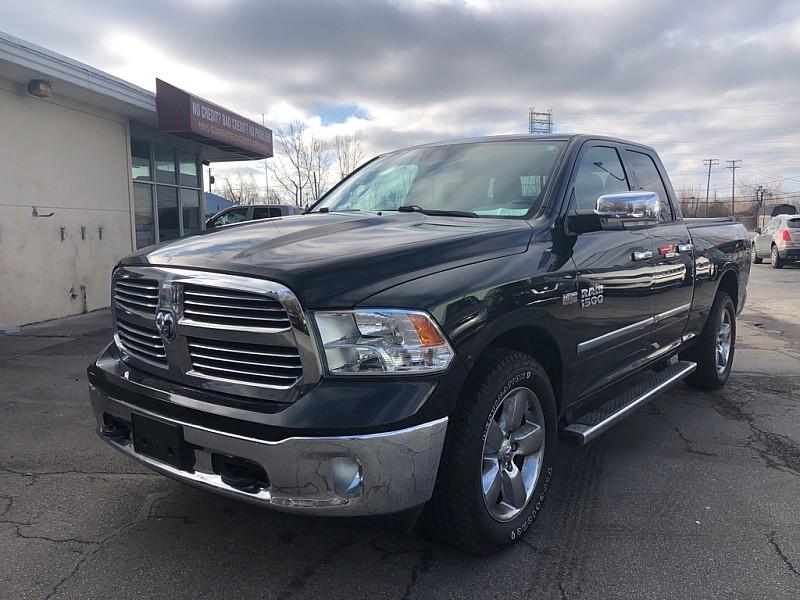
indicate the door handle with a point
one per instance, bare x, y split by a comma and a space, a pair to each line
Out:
642, 255
685, 248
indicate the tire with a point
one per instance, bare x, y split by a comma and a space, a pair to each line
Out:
757, 260
777, 261
459, 512
705, 352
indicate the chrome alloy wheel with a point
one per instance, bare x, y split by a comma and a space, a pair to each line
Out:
724, 338
513, 453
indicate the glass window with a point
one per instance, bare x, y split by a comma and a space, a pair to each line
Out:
646, 173
143, 212
793, 223
599, 172
190, 211
165, 164
168, 227
235, 215
266, 212
140, 160
492, 179
188, 169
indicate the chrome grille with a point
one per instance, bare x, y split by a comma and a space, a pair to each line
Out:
232, 308
137, 295
272, 366
142, 342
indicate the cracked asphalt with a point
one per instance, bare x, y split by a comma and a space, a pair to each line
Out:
695, 496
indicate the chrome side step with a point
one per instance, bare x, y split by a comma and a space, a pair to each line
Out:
589, 426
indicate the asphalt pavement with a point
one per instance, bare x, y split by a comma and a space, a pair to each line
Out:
695, 496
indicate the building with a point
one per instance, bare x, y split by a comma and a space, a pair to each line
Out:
93, 168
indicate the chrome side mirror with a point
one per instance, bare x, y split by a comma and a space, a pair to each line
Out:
640, 206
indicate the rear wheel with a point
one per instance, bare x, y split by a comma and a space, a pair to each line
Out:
498, 458
713, 351
777, 261
756, 258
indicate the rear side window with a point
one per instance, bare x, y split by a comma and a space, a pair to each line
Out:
648, 178
793, 223
266, 212
599, 172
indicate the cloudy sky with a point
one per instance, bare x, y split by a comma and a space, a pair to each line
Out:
696, 79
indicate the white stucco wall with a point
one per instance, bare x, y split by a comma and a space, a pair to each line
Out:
73, 161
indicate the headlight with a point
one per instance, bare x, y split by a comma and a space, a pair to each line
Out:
378, 341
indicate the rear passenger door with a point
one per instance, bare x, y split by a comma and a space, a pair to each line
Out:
614, 279
673, 257
266, 212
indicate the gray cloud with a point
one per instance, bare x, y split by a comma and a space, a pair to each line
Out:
446, 69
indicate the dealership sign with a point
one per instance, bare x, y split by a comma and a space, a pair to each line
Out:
184, 114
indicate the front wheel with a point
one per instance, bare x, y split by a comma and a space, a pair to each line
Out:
757, 260
497, 463
713, 351
777, 261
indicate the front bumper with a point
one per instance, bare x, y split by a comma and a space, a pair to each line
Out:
369, 474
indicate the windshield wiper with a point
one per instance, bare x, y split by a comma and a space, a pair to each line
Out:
435, 212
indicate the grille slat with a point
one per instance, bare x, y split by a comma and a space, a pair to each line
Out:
141, 342
232, 308
236, 361
137, 295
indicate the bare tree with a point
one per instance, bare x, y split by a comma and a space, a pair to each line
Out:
349, 154
241, 190
290, 170
302, 167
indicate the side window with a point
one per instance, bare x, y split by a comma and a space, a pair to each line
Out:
232, 216
648, 178
599, 172
266, 212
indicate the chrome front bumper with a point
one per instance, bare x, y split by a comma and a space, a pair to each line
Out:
355, 475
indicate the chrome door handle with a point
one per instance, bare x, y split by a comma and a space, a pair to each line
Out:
642, 255
685, 248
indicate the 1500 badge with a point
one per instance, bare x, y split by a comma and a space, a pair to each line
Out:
592, 296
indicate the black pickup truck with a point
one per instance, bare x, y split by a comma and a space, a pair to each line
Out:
421, 340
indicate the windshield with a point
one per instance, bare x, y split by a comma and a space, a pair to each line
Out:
489, 179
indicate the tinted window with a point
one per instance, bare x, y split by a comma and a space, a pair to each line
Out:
237, 215
190, 211
165, 164
143, 210
168, 226
187, 163
140, 159
646, 174
599, 172
266, 212
793, 223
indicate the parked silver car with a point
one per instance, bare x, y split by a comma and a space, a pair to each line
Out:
780, 240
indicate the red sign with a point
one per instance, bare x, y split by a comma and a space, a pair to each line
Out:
187, 115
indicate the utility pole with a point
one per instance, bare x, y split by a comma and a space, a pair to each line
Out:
710, 162
733, 185
266, 170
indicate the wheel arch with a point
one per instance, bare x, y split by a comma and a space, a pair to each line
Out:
542, 345
729, 282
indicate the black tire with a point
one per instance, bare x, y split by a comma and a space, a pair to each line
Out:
457, 513
777, 261
704, 352
757, 260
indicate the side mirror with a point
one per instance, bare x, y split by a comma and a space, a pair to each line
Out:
629, 206
210, 224
758, 230
616, 211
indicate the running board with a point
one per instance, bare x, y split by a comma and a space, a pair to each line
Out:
589, 426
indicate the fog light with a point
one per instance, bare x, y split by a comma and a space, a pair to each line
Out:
347, 477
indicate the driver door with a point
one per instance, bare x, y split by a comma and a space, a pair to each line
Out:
615, 310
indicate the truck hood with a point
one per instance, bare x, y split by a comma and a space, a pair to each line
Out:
337, 259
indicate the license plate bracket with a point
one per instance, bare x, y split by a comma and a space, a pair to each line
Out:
161, 441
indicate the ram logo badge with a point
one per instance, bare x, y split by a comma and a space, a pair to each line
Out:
592, 296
